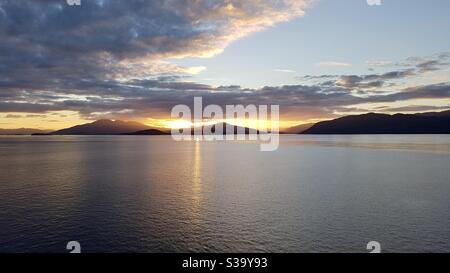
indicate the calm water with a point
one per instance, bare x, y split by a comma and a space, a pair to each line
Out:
150, 194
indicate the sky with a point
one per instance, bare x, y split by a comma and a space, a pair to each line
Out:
64, 65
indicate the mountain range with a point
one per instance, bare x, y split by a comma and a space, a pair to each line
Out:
117, 127
211, 129
424, 123
107, 127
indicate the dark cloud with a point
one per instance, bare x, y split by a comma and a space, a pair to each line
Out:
427, 64
435, 91
49, 43
155, 99
373, 80
414, 66
13, 116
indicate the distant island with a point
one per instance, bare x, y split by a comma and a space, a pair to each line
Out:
22, 131
206, 129
236, 129
424, 123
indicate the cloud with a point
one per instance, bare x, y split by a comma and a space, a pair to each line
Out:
13, 116
428, 64
372, 80
412, 67
154, 98
284, 70
45, 41
332, 64
379, 63
194, 70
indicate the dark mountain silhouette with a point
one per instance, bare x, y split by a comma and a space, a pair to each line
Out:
205, 130
104, 127
434, 114
235, 129
109, 127
21, 131
424, 123
148, 132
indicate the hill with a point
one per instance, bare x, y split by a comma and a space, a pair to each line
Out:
424, 123
236, 129
103, 127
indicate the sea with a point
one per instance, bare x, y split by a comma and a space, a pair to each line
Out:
152, 194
